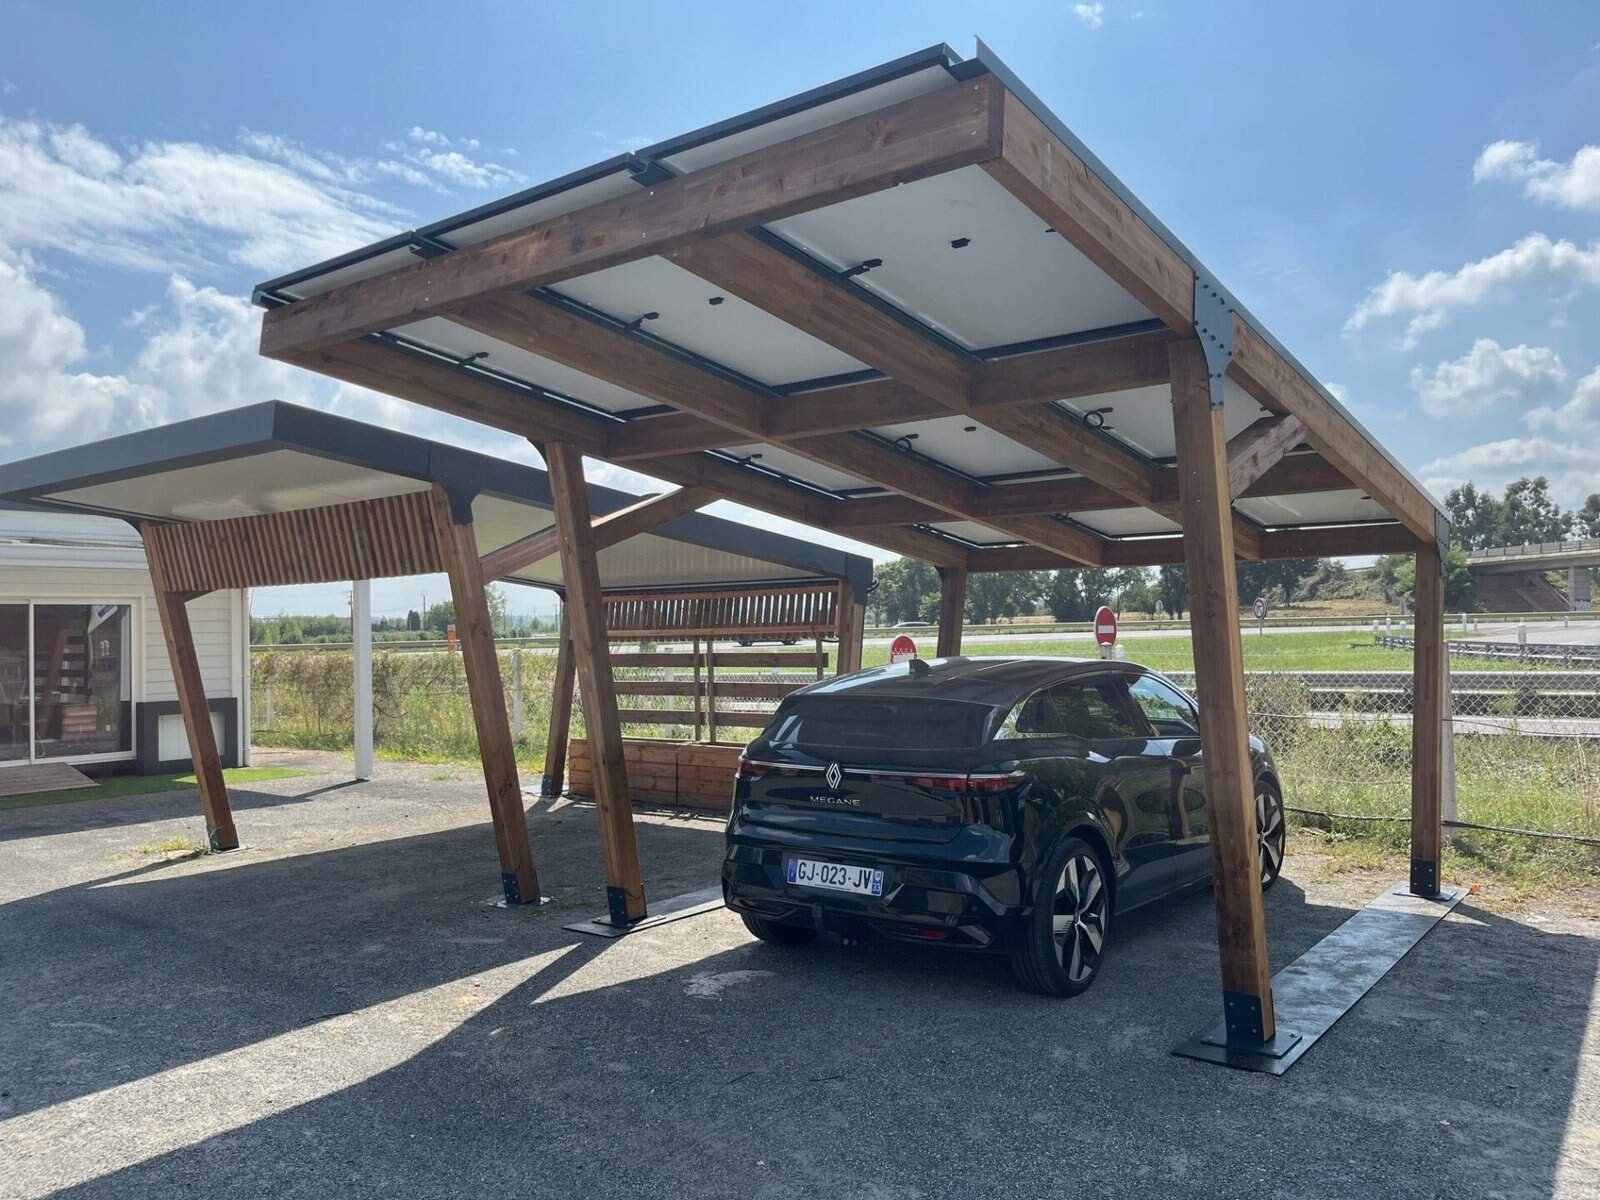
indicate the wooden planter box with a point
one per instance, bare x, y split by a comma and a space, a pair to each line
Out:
674, 774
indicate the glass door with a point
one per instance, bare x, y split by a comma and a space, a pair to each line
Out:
83, 680
15, 691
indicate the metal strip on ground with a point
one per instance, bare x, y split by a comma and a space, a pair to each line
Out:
1324, 983
690, 904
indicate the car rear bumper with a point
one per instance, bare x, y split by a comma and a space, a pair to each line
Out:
961, 904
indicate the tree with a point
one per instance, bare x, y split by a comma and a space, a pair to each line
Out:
1172, 587
1135, 592
1531, 515
1063, 597
899, 588
495, 596
414, 621
1586, 520
440, 616
1277, 579
995, 594
1458, 594
1477, 519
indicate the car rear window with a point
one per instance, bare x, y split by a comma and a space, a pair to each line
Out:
880, 724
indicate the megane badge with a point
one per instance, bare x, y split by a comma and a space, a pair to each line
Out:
833, 775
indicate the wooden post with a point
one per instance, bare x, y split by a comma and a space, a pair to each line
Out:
555, 753
591, 651
711, 690
694, 655
171, 606
852, 619
1219, 682
1427, 723
458, 548
952, 609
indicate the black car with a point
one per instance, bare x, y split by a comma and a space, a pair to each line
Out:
1011, 805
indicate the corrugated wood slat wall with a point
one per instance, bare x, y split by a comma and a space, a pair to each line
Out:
367, 539
807, 609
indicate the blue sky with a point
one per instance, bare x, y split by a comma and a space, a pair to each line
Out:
1408, 195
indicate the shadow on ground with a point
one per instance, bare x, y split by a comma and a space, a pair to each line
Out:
358, 1021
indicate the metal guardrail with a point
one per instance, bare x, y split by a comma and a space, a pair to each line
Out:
1534, 550
1551, 653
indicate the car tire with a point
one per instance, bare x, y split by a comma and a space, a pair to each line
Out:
776, 933
1064, 940
1271, 830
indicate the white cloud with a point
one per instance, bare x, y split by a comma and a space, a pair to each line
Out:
1429, 299
166, 204
1564, 446
1092, 15
1579, 415
1485, 376
1573, 469
1574, 184
458, 168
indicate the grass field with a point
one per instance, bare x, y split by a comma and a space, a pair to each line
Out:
138, 785
1313, 651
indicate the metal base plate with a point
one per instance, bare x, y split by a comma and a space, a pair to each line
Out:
502, 902
690, 904
1325, 982
1212, 1046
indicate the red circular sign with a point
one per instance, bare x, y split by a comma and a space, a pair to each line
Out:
1105, 626
902, 649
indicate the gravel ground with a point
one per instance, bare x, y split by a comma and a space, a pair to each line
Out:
336, 1011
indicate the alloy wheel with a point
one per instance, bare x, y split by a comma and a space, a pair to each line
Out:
1270, 831
1078, 920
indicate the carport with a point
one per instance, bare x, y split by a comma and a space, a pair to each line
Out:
275, 494
909, 304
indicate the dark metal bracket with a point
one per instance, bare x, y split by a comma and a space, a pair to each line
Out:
615, 923
1213, 325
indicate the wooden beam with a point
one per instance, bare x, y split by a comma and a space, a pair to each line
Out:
186, 678
591, 653
436, 385
647, 514
1252, 452
555, 753
552, 332
940, 131
1280, 388
1038, 169
1073, 372
1427, 724
765, 276
1219, 684
793, 292
523, 552
458, 546
952, 610
614, 527
1295, 475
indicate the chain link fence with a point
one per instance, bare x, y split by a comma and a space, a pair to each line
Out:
1526, 734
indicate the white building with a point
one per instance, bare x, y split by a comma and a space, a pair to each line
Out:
76, 603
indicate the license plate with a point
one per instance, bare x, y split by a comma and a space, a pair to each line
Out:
835, 877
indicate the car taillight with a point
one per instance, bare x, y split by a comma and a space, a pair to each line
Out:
939, 783
981, 801
992, 784
753, 770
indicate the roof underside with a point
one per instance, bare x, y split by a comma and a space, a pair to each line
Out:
274, 457
967, 273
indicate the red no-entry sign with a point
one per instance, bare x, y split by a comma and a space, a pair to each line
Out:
1105, 626
902, 649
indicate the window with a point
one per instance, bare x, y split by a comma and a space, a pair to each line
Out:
1165, 707
66, 680
881, 723
1086, 708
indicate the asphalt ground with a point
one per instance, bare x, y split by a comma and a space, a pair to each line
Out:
336, 1011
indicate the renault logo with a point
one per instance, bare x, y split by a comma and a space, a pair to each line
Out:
833, 775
